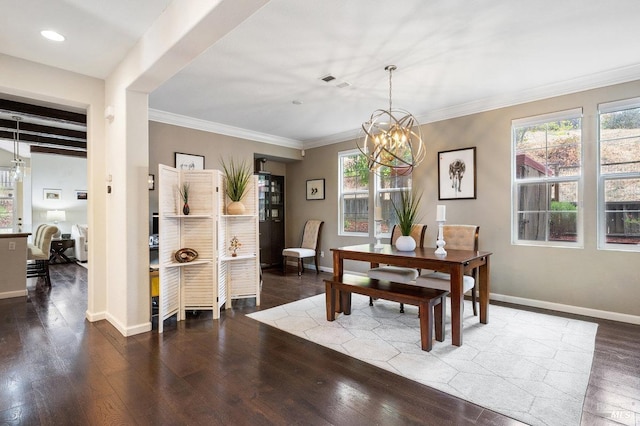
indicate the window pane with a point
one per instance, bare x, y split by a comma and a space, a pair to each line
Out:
620, 155
563, 218
622, 211
356, 213
355, 173
391, 179
549, 149
548, 207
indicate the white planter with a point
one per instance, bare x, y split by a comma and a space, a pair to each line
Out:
405, 243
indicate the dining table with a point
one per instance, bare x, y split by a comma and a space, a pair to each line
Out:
455, 262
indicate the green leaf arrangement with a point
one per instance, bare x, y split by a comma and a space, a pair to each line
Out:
407, 211
238, 175
184, 192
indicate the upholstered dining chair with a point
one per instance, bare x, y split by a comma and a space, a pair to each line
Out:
396, 273
38, 253
456, 237
308, 246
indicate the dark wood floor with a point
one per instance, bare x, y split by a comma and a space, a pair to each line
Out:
57, 368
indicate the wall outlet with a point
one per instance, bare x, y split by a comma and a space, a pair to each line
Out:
12, 245
322, 253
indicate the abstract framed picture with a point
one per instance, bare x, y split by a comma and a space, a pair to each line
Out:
457, 174
315, 189
189, 161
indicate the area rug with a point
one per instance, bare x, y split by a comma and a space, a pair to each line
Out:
528, 366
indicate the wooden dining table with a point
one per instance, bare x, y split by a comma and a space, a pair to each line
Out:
455, 262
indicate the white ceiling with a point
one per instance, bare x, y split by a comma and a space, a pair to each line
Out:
454, 57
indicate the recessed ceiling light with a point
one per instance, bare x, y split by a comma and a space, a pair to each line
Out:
52, 35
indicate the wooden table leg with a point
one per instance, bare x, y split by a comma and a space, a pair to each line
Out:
439, 314
485, 289
345, 302
338, 270
457, 300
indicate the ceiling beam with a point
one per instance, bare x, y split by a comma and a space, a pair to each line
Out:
58, 151
43, 112
43, 140
38, 128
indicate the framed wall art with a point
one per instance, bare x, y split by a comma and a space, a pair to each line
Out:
315, 189
52, 194
81, 194
189, 161
457, 174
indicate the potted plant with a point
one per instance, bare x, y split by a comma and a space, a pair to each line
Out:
237, 175
407, 213
184, 194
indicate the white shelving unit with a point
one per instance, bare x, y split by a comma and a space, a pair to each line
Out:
216, 276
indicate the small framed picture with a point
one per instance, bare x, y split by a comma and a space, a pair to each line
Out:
52, 194
457, 174
315, 189
189, 161
81, 195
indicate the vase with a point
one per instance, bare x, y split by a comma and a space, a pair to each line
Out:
235, 207
185, 209
405, 243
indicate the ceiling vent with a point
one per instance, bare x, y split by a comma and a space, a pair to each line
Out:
327, 78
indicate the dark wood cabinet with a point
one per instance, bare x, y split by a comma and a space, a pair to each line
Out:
271, 216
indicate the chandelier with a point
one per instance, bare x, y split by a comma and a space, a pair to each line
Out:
392, 138
17, 168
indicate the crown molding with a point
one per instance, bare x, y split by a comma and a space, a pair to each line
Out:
222, 129
579, 84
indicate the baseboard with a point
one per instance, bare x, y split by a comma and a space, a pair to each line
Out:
128, 331
570, 309
97, 316
10, 294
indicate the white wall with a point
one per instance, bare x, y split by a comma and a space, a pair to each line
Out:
68, 174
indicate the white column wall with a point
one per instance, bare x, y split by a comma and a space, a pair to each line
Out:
184, 30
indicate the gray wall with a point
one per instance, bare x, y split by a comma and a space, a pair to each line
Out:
587, 278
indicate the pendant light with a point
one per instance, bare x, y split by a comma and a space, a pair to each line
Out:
392, 138
17, 168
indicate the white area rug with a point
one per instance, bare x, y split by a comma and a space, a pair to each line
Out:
529, 366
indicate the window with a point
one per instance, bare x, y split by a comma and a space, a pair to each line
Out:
619, 175
6, 201
547, 180
354, 193
389, 185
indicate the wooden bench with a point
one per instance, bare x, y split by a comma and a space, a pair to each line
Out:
430, 302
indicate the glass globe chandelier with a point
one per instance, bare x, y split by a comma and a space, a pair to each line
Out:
392, 138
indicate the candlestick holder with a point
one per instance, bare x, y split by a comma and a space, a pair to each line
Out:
378, 224
440, 243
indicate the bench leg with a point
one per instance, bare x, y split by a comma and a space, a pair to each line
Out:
426, 329
330, 301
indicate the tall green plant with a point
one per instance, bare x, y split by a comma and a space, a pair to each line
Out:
407, 211
238, 175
